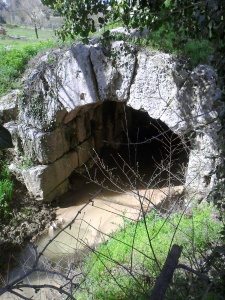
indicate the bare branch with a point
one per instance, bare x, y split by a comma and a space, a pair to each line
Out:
165, 277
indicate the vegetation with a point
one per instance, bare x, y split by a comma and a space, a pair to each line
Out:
14, 62
126, 266
187, 28
17, 35
202, 19
120, 267
6, 191
197, 51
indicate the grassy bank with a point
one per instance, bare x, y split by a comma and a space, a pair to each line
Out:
126, 266
17, 47
14, 60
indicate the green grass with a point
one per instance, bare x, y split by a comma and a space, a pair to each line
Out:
14, 60
27, 35
137, 248
6, 191
16, 53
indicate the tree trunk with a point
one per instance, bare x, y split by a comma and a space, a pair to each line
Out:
166, 274
36, 31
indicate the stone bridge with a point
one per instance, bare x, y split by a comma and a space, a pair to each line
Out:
79, 100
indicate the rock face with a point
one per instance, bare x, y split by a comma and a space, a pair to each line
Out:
63, 115
8, 107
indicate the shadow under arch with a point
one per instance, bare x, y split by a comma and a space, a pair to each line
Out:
137, 150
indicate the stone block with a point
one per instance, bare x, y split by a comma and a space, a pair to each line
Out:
83, 127
85, 151
77, 85
113, 77
8, 107
58, 191
44, 179
98, 140
44, 147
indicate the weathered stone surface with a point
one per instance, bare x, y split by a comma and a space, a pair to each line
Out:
8, 107
198, 98
44, 147
114, 75
42, 112
74, 78
58, 191
44, 179
85, 151
83, 128
204, 158
154, 89
199, 107
60, 110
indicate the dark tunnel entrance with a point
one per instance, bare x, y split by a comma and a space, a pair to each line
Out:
138, 150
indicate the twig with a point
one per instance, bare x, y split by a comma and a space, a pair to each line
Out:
45, 286
199, 274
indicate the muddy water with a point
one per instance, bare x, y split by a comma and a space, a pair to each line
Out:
105, 214
93, 224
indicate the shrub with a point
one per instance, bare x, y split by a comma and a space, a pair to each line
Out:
196, 51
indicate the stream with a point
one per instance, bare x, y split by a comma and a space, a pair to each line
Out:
93, 225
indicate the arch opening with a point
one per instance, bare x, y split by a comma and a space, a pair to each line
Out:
136, 151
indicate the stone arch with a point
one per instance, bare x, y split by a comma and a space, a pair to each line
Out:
58, 124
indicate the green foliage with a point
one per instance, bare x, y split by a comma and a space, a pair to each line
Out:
14, 62
165, 39
204, 19
194, 30
6, 191
198, 51
119, 267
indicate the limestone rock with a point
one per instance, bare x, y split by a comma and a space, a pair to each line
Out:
198, 97
154, 89
54, 90
8, 107
63, 112
76, 86
114, 74
44, 147
42, 112
43, 180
